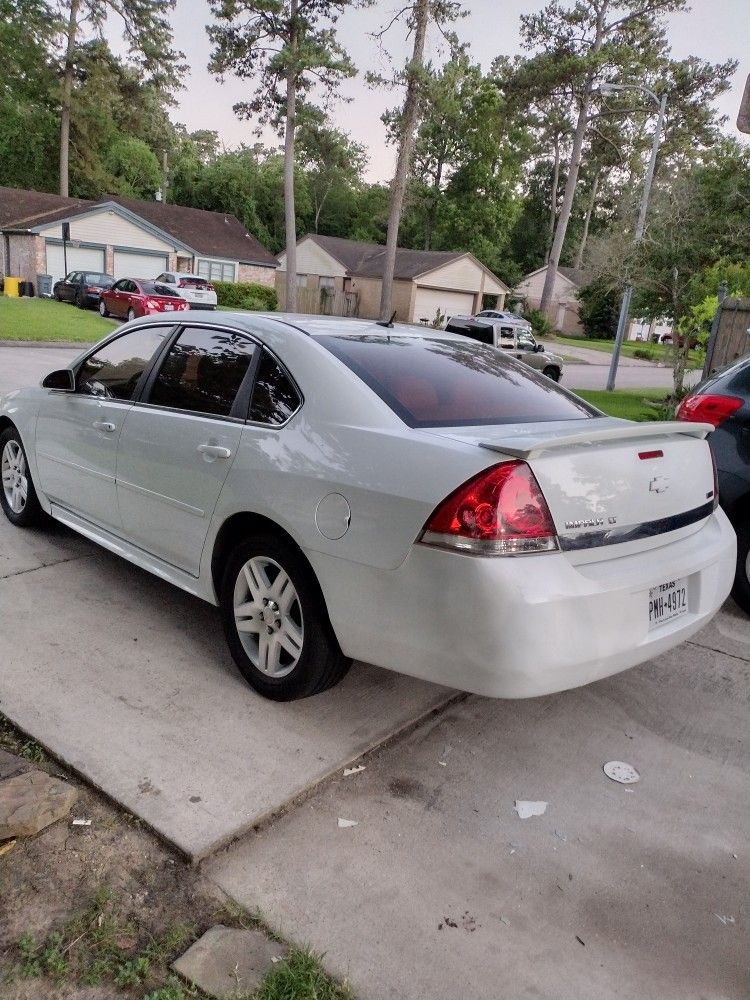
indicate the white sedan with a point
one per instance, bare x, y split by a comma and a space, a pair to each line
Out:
198, 291
398, 495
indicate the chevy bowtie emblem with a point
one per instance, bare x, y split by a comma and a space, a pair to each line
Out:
659, 484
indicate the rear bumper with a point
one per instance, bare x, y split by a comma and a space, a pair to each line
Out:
526, 626
206, 306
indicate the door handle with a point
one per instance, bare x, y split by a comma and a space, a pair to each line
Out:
104, 425
212, 451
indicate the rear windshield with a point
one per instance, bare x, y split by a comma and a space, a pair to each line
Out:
192, 282
431, 382
91, 278
156, 288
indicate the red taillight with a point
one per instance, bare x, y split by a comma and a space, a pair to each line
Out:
708, 409
501, 511
151, 304
210, 287
91, 290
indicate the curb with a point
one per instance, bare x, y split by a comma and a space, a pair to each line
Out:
63, 344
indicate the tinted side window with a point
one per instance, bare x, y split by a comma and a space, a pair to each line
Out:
274, 397
114, 371
203, 371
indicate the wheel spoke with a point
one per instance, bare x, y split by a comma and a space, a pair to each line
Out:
250, 626
23, 488
283, 592
290, 638
257, 580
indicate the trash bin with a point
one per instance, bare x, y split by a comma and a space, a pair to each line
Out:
44, 285
26, 288
11, 287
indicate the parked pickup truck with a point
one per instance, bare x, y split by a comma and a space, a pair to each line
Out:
512, 335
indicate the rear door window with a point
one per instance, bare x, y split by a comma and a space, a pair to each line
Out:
431, 382
203, 371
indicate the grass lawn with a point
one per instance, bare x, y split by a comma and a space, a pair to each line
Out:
630, 404
45, 319
658, 352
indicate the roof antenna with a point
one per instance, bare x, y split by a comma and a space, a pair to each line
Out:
387, 322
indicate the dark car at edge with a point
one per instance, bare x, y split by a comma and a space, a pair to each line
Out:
723, 399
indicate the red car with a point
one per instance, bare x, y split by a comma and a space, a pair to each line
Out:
131, 297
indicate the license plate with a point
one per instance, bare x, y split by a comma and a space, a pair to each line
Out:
199, 295
667, 601
168, 307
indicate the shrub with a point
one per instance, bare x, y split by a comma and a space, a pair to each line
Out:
250, 296
599, 311
540, 324
644, 355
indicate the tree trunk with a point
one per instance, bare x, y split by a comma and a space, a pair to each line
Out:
290, 218
405, 151
587, 221
67, 93
432, 210
566, 208
553, 196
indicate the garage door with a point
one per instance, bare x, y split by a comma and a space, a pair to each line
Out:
79, 259
131, 264
428, 301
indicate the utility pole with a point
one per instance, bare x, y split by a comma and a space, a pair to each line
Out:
622, 322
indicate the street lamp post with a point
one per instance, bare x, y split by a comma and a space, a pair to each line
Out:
608, 88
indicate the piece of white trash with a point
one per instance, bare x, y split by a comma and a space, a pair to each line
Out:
526, 809
81, 822
723, 919
443, 763
621, 772
276, 958
343, 823
504, 920
353, 770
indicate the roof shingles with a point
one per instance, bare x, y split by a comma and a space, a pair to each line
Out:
214, 234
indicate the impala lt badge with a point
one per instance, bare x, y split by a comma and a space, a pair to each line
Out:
659, 484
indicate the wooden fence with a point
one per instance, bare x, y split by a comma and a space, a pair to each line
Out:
321, 301
732, 339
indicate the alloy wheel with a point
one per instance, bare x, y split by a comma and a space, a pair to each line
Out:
14, 477
268, 617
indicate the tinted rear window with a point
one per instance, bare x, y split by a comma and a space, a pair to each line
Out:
98, 279
450, 383
192, 282
156, 288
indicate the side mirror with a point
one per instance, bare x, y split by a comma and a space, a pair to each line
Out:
63, 380
539, 348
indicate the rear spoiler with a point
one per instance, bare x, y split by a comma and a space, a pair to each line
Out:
530, 445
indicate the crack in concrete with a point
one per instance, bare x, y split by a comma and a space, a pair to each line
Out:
713, 649
34, 569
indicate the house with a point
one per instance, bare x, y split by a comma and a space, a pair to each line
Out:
563, 311
124, 237
426, 282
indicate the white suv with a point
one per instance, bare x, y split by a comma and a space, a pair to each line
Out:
199, 292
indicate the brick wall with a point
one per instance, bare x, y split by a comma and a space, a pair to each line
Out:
253, 274
27, 257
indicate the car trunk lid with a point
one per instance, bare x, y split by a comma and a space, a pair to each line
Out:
608, 481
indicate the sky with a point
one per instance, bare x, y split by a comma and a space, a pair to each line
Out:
715, 30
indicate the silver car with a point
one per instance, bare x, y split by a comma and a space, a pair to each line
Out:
510, 334
345, 489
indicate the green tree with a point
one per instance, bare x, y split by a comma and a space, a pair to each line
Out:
287, 47
147, 32
333, 166
599, 310
136, 167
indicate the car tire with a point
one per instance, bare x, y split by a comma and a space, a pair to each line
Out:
14, 469
287, 649
80, 301
131, 314
56, 296
103, 311
551, 372
741, 588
